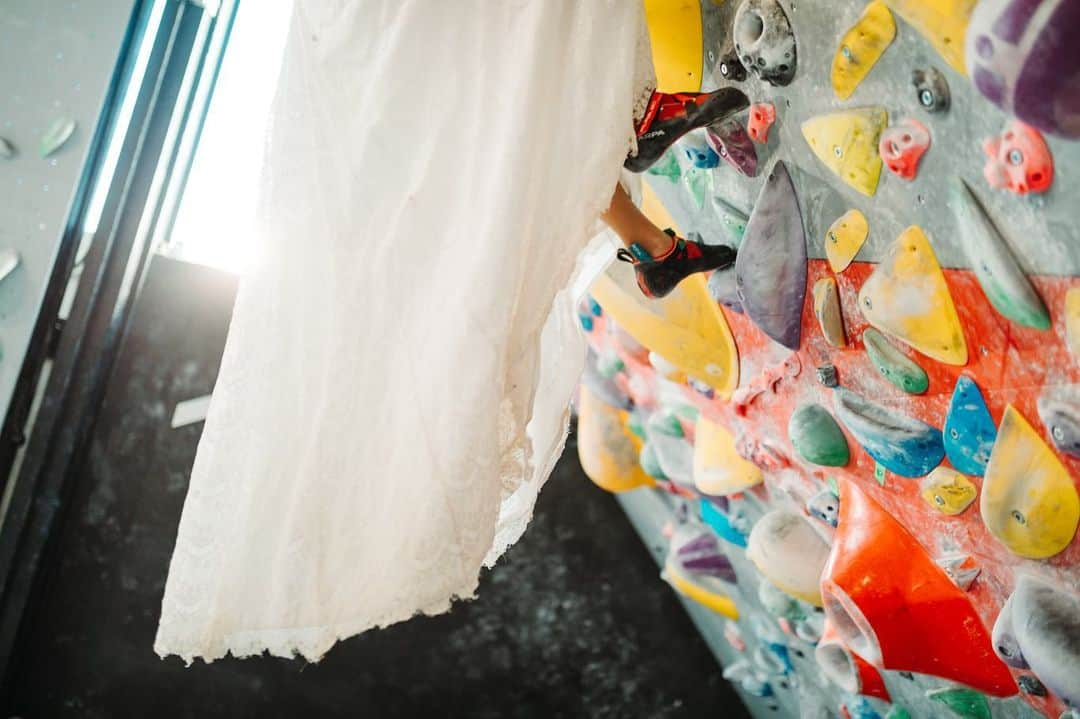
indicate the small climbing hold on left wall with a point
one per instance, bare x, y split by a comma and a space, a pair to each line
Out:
844, 239
947, 491
894, 365
56, 136
817, 437
827, 311
963, 702
729, 139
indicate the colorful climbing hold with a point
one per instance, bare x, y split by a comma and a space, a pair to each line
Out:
817, 437
733, 218
947, 491
791, 554
907, 297
824, 506
667, 166
962, 701
827, 311
764, 41
1037, 630
1072, 320
970, 431
902, 444
1022, 57
770, 270
932, 89
847, 143
607, 448
903, 145
699, 184
1006, 285
699, 153
718, 468
1062, 420
1028, 502
727, 528
698, 569
1018, 160
56, 136
844, 239
762, 116
942, 22
729, 139
894, 365
860, 47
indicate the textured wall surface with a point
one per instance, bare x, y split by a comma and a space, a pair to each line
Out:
56, 60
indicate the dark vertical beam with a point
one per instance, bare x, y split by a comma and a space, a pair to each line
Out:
86, 348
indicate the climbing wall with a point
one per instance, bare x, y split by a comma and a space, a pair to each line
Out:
865, 434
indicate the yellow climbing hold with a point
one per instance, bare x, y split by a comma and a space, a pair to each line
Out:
947, 490
1029, 502
608, 450
718, 468
907, 297
861, 47
1072, 320
845, 238
827, 310
691, 333
719, 603
675, 35
847, 142
942, 22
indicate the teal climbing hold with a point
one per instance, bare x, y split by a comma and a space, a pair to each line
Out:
650, 463
966, 703
817, 437
1003, 280
699, 184
667, 166
970, 431
894, 365
897, 712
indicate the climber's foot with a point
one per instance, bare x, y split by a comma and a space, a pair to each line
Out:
657, 276
669, 117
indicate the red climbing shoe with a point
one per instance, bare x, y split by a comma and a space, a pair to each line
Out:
657, 276
669, 117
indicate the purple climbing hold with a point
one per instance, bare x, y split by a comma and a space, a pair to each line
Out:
770, 270
730, 141
1022, 56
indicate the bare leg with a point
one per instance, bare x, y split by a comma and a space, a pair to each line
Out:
631, 225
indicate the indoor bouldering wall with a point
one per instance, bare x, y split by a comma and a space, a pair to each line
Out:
860, 444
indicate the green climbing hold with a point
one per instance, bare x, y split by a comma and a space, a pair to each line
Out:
817, 437
897, 712
649, 462
966, 703
699, 183
893, 364
667, 166
666, 423
636, 424
609, 364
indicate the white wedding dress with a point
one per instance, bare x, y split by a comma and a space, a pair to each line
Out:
395, 385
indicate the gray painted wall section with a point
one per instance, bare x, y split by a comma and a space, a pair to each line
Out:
56, 60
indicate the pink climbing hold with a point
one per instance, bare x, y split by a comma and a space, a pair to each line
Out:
903, 145
762, 116
1018, 160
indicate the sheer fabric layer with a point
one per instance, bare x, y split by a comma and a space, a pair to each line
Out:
394, 388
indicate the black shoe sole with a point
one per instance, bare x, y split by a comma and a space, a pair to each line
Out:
653, 144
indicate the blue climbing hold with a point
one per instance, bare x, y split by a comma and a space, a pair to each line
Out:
594, 306
715, 518
700, 154
901, 444
970, 431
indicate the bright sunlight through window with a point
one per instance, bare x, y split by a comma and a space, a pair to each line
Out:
215, 223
